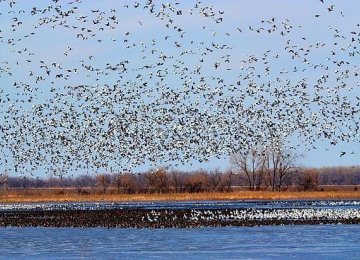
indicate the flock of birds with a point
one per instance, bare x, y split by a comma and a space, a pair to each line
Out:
175, 215
85, 88
263, 215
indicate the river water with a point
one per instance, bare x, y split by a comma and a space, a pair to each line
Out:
280, 242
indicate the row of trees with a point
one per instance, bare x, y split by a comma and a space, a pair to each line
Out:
276, 169
273, 168
270, 168
249, 173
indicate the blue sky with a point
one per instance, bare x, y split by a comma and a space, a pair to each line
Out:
139, 27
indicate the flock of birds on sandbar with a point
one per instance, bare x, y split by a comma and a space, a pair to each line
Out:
177, 214
113, 85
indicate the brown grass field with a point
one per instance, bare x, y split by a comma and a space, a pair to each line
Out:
32, 197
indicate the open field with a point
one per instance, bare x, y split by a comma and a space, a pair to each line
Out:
16, 197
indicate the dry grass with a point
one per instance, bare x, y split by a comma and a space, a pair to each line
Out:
240, 195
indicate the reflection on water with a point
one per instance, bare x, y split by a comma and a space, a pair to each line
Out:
321, 241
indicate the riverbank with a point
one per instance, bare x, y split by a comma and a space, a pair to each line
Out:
33, 197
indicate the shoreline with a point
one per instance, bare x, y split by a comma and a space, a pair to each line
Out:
216, 196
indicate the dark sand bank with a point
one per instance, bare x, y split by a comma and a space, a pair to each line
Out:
181, 218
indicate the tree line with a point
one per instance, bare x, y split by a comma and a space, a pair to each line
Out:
163, 180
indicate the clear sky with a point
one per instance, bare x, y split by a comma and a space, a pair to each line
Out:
270, 41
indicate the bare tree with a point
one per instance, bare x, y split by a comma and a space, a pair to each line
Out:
226, 181
249, 166
307, 179
103, 181
177, 180
279, 165
158, 179
4, 181
197, 182
128, 182
214, 179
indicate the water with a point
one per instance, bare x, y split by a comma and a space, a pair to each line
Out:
280, 242
284, 242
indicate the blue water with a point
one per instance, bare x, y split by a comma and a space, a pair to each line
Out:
280, 242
